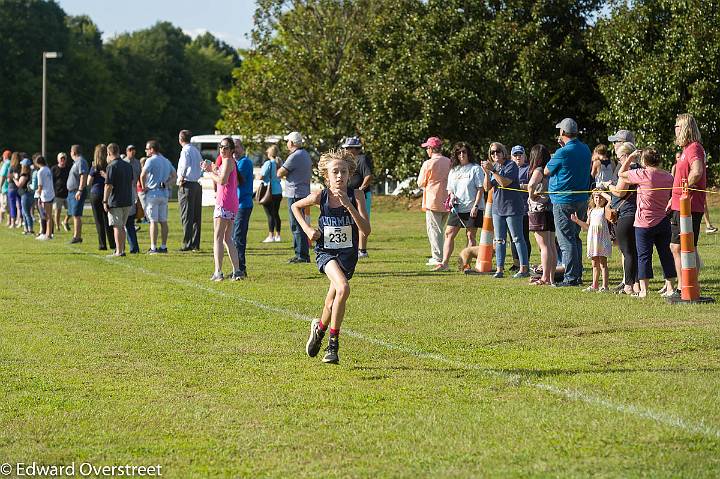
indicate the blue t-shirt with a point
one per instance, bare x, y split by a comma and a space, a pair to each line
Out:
269, 174
297, 181
97, 182
507, 202
245, 186
570, 171
158, 170
3, 173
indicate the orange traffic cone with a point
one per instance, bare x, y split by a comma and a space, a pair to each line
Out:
484, 259
690, 289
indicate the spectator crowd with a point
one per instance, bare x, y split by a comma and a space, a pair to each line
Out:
627, 201
619, 194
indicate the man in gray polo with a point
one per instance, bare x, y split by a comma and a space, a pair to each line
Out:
297, 171
189, 192
76, 183
118, 195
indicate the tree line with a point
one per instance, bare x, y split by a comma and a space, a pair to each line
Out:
149, 83
392, 71
398, 71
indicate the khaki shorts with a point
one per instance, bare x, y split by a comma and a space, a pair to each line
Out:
156, 208
118, 216
59, 203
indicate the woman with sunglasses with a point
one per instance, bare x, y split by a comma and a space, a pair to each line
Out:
465, 188
508, 207
224, 173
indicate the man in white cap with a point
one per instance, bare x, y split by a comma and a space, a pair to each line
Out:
569, 170
360, 180
622, 136
297, 171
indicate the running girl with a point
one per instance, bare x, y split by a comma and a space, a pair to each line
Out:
341, 220
599, 244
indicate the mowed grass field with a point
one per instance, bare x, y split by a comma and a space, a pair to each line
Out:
142, 360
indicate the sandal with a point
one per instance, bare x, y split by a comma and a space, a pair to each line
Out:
539, 282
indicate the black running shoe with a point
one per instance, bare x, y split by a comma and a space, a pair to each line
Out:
331, 352
315, 340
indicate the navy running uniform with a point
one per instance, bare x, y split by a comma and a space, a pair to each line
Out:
338, 236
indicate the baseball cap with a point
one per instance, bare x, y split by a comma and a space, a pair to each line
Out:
130, 147
26, 162
517, 149
623, 135
352, 142
432, 142
568, 125
295, 137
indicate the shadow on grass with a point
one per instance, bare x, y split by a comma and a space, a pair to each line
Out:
407, 368
527, 373
543, 373
390, 274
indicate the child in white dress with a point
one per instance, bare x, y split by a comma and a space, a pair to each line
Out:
599, 244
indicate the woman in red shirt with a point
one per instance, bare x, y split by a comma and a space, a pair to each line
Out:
690, 167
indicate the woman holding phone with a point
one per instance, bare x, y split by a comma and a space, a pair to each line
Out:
224, 173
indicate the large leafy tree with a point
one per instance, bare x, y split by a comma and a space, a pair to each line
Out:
29, 27
85, 115
150, 83
159, 97
396, 71
660, 58
303, 72
165, 82
475, 71
211, 63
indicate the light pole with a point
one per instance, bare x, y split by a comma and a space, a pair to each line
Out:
46, 55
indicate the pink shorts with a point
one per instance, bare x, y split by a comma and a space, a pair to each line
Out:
222, 213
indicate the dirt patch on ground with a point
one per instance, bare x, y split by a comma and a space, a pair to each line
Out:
396, 203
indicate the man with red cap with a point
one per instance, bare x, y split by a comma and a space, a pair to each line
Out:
433, 180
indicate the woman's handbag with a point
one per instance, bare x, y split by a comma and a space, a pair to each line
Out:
611, 215
263, 195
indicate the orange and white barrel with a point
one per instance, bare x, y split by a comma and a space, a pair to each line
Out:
484, 259
690, 290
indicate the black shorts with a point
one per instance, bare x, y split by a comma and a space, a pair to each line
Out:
541, 221
675, 226
346, 261
467, 222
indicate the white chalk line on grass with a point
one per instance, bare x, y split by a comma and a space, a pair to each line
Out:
665, 419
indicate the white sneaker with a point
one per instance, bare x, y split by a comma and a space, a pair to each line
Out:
277, 239
42, 238
363, 254
269, 239
433, 262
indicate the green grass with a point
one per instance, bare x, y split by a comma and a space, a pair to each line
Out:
142, 360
